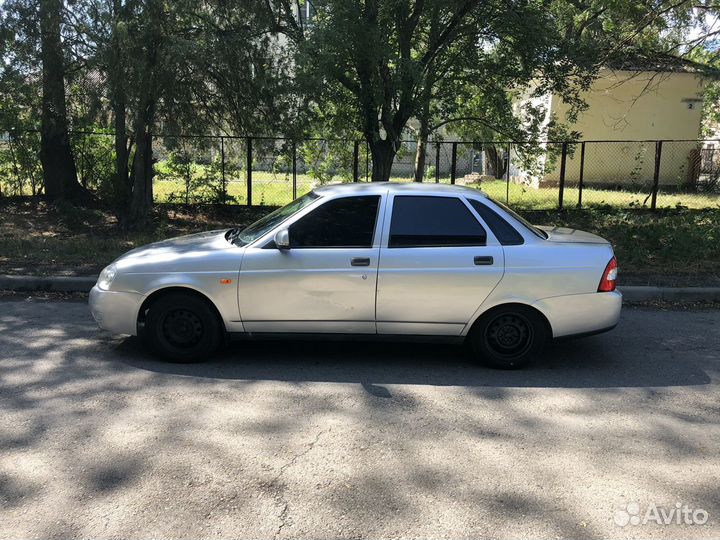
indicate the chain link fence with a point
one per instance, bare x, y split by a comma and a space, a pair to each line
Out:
273, 171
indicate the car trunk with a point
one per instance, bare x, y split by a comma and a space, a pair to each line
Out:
566, 235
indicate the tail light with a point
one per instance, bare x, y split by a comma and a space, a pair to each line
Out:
609, 277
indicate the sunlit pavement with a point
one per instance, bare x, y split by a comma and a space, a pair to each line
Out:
290, 439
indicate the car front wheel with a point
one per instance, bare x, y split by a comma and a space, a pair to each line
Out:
181, 327
508, 337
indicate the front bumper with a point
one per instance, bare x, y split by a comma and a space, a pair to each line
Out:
115, 311
581, 314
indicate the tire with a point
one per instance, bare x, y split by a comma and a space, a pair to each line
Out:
508, 337
181, 327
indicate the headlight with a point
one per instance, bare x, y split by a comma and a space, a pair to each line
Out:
106, 277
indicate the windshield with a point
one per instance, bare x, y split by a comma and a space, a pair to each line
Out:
532, 228
269, 222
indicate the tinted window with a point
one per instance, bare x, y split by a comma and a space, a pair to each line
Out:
504, 232
346, 222
433, 221
530, 227
269, 222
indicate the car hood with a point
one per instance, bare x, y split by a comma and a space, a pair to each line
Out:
189, 246
183, 244
575, 236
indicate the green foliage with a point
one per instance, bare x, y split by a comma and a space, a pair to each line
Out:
20, 171
196, 181
375, 69
328, 160
675, 241
94, 161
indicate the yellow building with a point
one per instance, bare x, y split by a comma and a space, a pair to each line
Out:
628, 110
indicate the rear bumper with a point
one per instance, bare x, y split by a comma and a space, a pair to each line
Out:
581, 314
115, 311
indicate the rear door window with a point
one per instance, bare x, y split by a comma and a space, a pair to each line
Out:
426, 221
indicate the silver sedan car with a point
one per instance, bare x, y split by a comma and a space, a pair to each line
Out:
378, 259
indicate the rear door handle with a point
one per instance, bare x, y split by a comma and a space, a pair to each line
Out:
483, 261
360, 261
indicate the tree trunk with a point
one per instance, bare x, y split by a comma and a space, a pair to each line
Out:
420, 155
495, 162
59, 172
118, 98
383, 153
142, 175
424, 131
141, 199
121, 187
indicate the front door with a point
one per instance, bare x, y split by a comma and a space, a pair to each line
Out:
438, 264
325, 282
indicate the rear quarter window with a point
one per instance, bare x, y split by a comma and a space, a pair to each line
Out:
503, 231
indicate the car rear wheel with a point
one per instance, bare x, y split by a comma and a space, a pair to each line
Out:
508, 337
181, 327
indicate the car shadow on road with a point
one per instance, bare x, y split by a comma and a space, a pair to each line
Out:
595, 362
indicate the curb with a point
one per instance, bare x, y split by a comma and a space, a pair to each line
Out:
47, 284
670, 294
630, 293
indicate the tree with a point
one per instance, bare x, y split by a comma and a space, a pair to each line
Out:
384, 56
144, 52
244, 81
376, 69
393, 61
183, 67
388, 58
115, 62
59, 173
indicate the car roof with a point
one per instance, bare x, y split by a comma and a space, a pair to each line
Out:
416, 188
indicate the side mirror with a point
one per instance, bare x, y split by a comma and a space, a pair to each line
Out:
282, 239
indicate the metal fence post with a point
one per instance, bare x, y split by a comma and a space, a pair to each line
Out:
507, 174
222, 169
249, 171
15, 163
437, 162
294, 170
453, 162
81, 170
656, 175
582, 173
563, 162
367, 160
356, 161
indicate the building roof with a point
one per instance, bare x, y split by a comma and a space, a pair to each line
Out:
661, 63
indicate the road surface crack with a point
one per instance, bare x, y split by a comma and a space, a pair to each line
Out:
279, 493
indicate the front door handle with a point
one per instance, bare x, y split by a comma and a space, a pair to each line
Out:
483, 261
360, 261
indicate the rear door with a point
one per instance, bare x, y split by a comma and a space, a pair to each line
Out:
438, 263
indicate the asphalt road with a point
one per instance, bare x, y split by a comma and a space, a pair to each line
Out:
99, 440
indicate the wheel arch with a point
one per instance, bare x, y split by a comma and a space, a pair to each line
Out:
504, 305
164, 291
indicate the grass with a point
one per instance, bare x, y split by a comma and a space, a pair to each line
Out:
276, 189
41, 239
267, 189
270, 189
672, 247
523, 197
